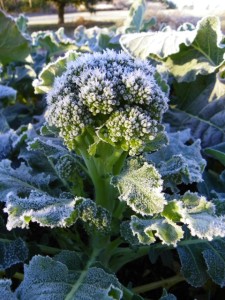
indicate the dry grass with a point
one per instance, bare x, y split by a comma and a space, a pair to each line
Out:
174, 17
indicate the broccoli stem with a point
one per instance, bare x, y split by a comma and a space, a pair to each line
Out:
105, 163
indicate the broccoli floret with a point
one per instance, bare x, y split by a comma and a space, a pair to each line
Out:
112, 93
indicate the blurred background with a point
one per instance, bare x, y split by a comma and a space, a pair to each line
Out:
52, 14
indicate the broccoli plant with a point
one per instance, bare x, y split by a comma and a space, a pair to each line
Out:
106, 106
100, 182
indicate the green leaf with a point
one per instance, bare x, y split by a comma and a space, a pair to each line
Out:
21, 180
134, 20
215, 261
62, 211
147, 24
22, 23
12, 252
161, 44
48, 146
7, 92
14, 46
185, 53
6, 143
204, 56
140, 186
218, 152
147, 229
199, 215
47, 76
41, 208
177, 162
206, 121
201, 260
93, 216
5, 290
55, 43
192, 264
67, 283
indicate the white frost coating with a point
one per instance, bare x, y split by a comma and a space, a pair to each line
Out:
147, 229
205, 226
100, 90
199, 215
141, 188
38, 207
6, 91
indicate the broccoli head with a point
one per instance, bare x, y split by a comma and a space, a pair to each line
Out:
114, 95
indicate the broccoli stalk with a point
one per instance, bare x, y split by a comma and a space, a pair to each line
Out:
106, 162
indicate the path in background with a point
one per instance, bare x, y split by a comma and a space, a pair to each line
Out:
172, 17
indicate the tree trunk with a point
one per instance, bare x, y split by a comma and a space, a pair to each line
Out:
61, 7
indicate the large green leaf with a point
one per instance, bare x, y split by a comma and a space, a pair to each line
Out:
191, 210
52, 212
162, 44
41, 208
140, 186
207, 121
14, 46
204, 56
55, 43
191, 107
12, 252
67, 278
202, 260
20, 180
178, 162
185, 53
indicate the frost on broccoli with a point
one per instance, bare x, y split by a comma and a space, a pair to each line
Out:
115, 95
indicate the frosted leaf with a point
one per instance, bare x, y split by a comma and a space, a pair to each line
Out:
41, 208
48, 146
166, 296
204, 225
20, 180
12, 253
199, 215
52, 212
177, 162
147, 229
46, 279
173, 210
185, 53
5, 290
201, 260
141, 188
5, 143
193, 265
127, 233
73, 260
215, 260
94, 216
7, 92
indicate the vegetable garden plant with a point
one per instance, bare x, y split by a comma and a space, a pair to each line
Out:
112, 155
